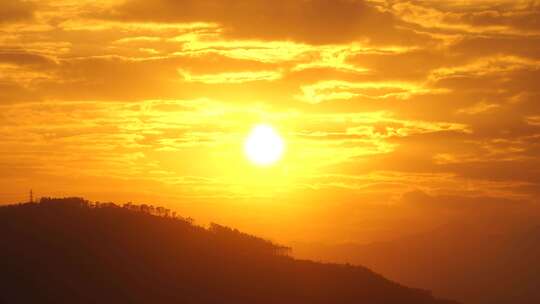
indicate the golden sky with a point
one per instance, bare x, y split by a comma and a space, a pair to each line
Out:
397, 115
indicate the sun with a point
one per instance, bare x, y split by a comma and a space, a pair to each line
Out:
264, 146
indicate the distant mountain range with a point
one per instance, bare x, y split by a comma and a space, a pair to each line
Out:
460, 261
73, 251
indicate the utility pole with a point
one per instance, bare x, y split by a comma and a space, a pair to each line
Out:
31, 196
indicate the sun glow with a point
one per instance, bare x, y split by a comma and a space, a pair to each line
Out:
264, 146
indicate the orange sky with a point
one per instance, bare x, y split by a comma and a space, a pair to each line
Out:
397, 115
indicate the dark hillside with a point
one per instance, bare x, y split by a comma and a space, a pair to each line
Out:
71, 251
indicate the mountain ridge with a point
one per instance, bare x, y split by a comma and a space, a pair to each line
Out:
71, 250
502, 264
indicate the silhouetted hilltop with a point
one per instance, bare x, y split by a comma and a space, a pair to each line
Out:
73, 251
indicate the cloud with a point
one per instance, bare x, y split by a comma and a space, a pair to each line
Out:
233, 77
473, 17
478, 108
20, 72
21, 57
533, 120
313, 21
496, 65
15, 10
337, 89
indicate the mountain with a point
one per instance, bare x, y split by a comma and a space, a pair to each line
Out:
460, 261
515, 275
73, 251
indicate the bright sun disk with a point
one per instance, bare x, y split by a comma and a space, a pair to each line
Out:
264, 146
